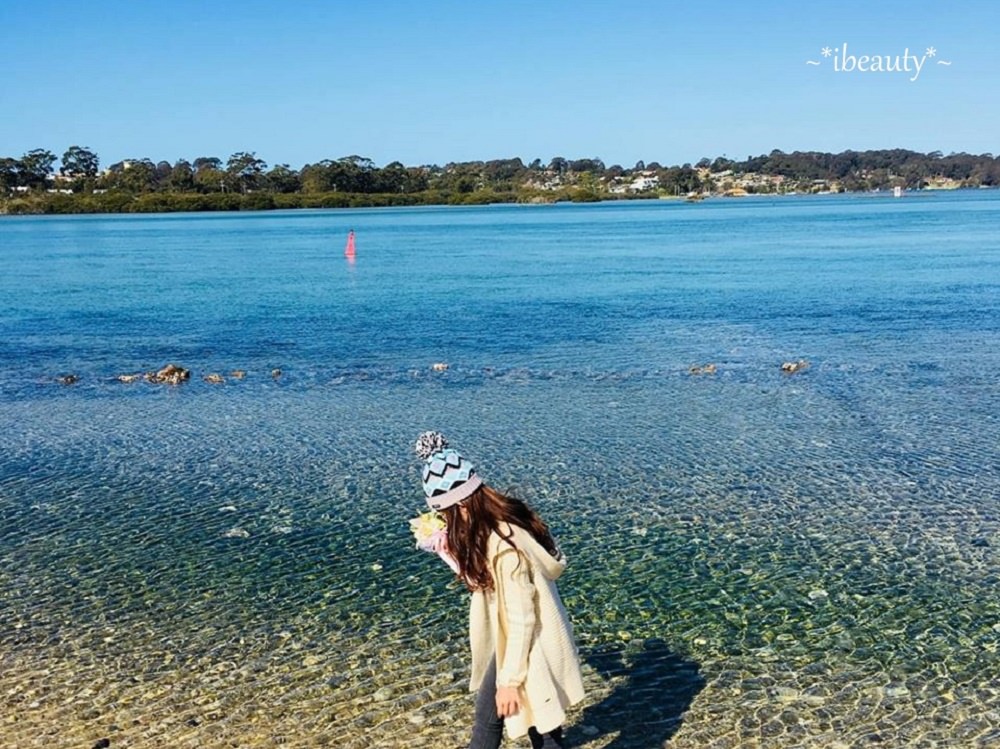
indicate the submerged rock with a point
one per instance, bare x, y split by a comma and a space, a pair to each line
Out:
214, 378
238, 374
785, 695
440, 366
276, 373
67, 379
128, 378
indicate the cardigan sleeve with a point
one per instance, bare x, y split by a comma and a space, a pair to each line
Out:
517, 615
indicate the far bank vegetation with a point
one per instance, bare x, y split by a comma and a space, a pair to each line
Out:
33, 184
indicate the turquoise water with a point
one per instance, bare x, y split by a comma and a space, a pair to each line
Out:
756, 558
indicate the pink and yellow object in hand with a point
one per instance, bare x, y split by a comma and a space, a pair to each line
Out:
431, 533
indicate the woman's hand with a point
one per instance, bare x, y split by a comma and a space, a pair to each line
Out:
439, 543
508, 701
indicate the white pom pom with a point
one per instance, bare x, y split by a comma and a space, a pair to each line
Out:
429, 443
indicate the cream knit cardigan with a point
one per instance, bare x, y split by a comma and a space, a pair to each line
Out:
523, 621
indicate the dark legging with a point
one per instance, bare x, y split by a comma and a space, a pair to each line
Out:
487, 731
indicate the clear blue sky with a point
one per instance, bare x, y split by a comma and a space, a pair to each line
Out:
431, 82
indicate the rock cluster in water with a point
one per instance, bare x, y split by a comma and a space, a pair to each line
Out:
214, 378
700, 369
171, 374
791, 367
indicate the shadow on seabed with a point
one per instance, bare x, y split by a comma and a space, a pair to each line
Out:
646, 709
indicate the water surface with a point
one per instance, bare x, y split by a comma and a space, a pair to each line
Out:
756, 558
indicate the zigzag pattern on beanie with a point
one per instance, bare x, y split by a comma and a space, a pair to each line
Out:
447, 476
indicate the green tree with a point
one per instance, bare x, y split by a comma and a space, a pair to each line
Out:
722, 164
245, 169
461, 177
417, 179
320, 177
501, 173
209, 176
465, 185
36, 167
207, 162
354, 174
161, 174
10, 173
587, 165
392, 178
282, 179
79, 162
181, 177
679, 180
133, 175
208, 179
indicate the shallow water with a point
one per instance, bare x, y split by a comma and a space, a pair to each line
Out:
756, 558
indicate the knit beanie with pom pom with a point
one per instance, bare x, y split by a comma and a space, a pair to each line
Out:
448, 478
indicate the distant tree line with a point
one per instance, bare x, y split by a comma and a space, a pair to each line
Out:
32, 183
869, 170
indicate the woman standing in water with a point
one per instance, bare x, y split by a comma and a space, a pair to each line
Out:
525, 668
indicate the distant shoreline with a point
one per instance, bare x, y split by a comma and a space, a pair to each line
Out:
125, 203
32, 185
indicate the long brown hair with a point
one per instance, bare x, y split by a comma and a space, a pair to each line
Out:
468, 533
